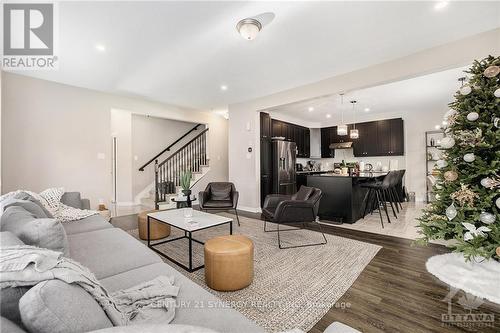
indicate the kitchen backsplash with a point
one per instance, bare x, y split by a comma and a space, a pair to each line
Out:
348, 156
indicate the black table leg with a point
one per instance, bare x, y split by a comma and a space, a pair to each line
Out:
190, 252
231, 227
149, 239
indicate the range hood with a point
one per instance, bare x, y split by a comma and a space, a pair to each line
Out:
341, 145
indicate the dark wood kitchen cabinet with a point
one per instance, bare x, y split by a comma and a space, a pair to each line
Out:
295, 133
265, 125
366, 144
327, 135
390, 138
376, 138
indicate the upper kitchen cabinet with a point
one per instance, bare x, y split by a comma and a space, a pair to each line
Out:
326, 139
294, 133
376, 138
390, 137
265, 125
366, 144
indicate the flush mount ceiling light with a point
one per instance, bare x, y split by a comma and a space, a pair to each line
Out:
223, 87
342, 128
310, 109
328, 115
249, 28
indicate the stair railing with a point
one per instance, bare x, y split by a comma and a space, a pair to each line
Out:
169, 147
190, 157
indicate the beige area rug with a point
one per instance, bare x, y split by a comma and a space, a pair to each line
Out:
292, 288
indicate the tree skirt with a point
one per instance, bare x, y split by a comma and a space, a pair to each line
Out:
480, 279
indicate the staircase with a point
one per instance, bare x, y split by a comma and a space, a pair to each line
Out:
190, 157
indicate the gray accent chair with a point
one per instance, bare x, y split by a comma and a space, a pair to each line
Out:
219, 196
297, 209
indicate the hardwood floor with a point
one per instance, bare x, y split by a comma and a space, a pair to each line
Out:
395, 293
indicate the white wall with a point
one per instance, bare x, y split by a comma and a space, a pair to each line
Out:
52, 134
244, 170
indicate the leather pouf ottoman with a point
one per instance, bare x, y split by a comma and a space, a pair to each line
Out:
228, 262
157, 230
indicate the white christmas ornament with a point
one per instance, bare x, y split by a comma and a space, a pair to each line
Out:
473, 232
491, 71
487, 218
449, 113
469, 157
486, 182
447, 142
497, 202
451, 212
465, 90
497, 93
472, 116
441, 164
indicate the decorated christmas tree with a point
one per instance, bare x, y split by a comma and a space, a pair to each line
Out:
467, 206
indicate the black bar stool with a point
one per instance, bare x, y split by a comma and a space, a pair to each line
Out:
379, 193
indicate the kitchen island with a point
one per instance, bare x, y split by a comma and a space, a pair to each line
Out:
343, 197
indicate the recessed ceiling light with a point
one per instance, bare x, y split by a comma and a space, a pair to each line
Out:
310, 109
100, 47
437, 127
367, 109
328, 115
441, 5
223, 87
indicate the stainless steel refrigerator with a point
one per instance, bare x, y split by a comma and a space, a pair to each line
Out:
283, 160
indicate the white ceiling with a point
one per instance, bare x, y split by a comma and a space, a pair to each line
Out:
182, 52
428, 92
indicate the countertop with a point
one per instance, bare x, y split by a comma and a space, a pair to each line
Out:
311, 172
373, 174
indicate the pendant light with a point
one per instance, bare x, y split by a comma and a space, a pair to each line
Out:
354, 133
342, 128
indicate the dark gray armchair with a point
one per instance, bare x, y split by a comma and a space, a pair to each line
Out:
300, 208
219, 196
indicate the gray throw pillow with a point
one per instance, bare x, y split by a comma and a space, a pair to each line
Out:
30, 206
27, 196
72, 199
54, 306
7, 238
45, 233
303, 194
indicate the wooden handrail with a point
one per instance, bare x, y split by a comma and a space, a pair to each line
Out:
181, 148
168, 148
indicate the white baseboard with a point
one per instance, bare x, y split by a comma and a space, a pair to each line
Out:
250, 209
126, 203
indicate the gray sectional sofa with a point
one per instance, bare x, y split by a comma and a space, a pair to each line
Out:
119, 261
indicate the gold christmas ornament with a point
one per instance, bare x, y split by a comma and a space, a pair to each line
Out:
465, 196
491, 71
498, 251
450, 176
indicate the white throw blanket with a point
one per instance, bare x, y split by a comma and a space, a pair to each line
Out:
51, 200
150, 301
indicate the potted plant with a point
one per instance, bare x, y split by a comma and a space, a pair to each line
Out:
186, 183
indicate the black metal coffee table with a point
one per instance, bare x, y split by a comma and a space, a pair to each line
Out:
176, 218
